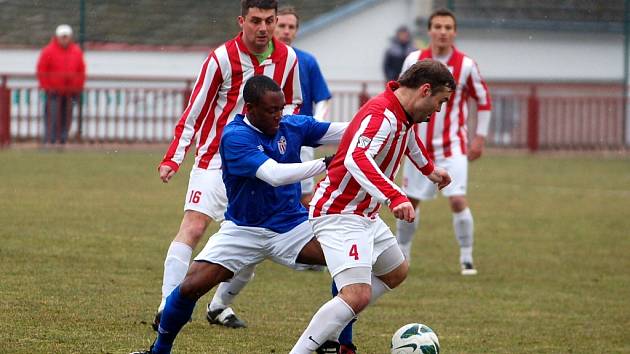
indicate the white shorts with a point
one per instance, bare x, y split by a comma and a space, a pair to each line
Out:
235, 247
307, 153
206, 193
351, 241
418, 186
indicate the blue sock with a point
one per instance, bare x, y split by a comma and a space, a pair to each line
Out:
176, 313
346, 335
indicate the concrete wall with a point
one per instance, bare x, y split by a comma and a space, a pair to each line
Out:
353, 49
539, 55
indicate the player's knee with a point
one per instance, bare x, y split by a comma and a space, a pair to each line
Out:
202, 277
246, 274
191, 231
458, 203
394, 278
357, 296
192, 286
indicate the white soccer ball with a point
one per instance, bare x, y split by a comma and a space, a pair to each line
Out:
415, 338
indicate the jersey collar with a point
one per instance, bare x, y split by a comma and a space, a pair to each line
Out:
398, 109
248, 123
280, 50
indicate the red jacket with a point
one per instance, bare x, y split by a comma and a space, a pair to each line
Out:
61, 70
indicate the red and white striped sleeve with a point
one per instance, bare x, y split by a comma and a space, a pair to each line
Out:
418, 154
479, 92
204, 93
368, 141
292, 88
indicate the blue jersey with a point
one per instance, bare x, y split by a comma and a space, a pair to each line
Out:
314, 88
254, 202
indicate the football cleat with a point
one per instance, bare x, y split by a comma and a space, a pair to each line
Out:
348, 349
329, 347
468, 269
150, 351
224, 317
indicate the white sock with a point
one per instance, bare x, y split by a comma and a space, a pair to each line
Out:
175, 268
464, 228
379, 288
331, 318
227, 291
404, 234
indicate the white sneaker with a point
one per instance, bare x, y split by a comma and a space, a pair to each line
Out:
468, 269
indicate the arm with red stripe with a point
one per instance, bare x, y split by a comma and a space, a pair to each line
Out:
292, 89
418, 154
479, 92
367, 142
204, 92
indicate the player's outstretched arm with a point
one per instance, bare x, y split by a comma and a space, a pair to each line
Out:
279, 174
334, 133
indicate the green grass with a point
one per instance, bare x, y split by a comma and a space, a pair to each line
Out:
83, 235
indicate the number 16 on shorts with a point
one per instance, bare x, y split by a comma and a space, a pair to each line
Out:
358, 251
195, 197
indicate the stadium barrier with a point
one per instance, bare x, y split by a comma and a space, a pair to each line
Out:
534, 116
5, 113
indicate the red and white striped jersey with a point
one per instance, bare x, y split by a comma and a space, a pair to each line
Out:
446, 133
360, 177
218, 96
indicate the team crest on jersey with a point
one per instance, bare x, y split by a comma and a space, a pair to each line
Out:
364, 141
282, 145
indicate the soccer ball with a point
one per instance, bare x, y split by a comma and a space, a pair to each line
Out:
415, 338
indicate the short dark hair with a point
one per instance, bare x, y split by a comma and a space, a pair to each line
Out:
261, 4
289, 10
442, 12
428, 71
257, 86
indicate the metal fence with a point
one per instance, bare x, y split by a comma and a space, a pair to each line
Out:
145, 110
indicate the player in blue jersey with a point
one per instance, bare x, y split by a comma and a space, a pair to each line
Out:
315, 93
260, 154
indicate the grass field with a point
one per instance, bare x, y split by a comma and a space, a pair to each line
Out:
84, 233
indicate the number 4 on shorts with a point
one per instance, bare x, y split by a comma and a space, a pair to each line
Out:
353, 252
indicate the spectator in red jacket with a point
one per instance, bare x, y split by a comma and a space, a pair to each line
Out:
61, 74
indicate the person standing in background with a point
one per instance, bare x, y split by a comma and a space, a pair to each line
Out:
445, 137
396, 53
315, 93
61, 75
